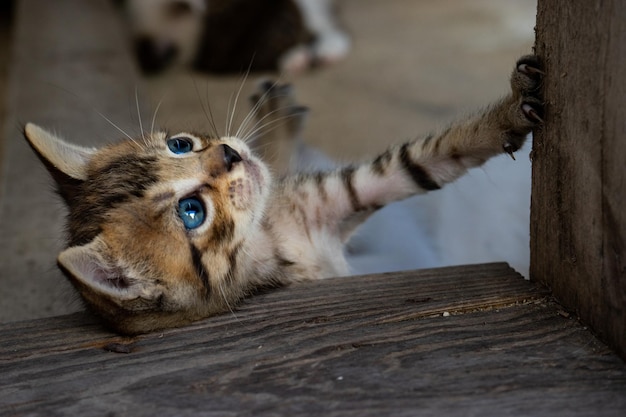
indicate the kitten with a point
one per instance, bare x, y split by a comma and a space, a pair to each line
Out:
223, 36
168, 228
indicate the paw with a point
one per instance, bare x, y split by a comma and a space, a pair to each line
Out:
296, 60
526, 105
326, 50
276, 103
271, 94
526, 82
278, 125
331, 48
277, 110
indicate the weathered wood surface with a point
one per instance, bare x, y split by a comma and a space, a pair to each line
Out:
578, 215
359, 346
67, 64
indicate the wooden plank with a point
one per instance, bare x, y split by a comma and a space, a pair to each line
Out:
6, 14
363, 346
578, 221
396, 296
68, 63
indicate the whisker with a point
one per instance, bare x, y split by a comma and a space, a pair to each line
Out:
139, 116
260, 124
216, 131
154, 115
254, 110
117, 127
206, 110
244, 78
94, 109
223, 294
252, 134
230, 99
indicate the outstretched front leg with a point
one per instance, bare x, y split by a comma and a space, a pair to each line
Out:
428, 163
438, 159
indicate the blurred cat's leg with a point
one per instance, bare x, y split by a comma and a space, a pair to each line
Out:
330, 42
278, 127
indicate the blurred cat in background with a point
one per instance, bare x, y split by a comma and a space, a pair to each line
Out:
232, 36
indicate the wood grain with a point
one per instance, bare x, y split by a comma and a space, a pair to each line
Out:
357, 346
578, 221
68, 67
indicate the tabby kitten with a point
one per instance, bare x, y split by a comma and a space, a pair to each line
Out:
171, 228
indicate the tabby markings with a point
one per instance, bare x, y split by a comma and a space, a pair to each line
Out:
381, 163
419, 175
319, 178
232, 261
347, 176
196, 258
127, 176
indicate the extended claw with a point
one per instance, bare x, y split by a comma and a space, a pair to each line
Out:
527, 69
531, 113
509, 149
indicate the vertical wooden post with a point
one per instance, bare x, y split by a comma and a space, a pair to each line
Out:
578, 209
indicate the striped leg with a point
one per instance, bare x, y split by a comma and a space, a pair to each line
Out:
428, 163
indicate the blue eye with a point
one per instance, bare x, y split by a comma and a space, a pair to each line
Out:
191, 212
180, 145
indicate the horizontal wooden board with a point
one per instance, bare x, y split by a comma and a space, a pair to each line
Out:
364, 346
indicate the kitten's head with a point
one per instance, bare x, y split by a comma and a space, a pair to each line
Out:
155, 224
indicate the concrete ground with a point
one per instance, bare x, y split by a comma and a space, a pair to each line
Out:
415, 64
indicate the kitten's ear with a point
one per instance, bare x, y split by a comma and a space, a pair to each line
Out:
57, 154
108, 291
66, 162
94, 277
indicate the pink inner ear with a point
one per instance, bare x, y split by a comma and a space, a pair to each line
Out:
85, 264
109, 278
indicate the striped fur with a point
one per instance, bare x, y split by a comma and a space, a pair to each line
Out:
140, 269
